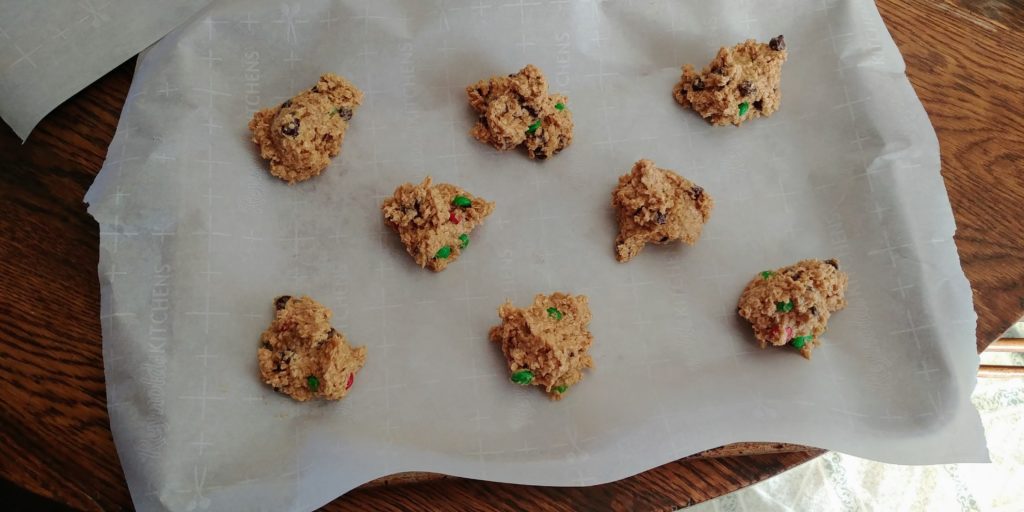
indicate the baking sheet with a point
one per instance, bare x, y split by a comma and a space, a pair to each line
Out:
51, 49
197, 240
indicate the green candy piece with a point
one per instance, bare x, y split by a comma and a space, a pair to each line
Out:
784, 307
444, 252
559, 106
555, 313
533, 127
766, 274
744, 107
462, 202
313, 383
800, 341
522, 377
560, 389
463, 241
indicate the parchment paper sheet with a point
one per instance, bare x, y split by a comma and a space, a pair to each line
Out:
197, 240
51, 49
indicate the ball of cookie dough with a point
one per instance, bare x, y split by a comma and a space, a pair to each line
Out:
302, 356
546, 344
517, 110
792, 305
434, 222
300, 136
658, 206
740, 84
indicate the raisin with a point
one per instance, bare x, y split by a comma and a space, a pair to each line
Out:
759, 105
698, 84
664, 239
697, 192
833, 262
291, 129
661, 218
282, 301
814, 311
345, 113
777, 43
747, 88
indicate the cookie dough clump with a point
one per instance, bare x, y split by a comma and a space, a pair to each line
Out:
546, 344
517, 110
657, 206
740, 84
302, 356
434, 221
792, 305
300, 136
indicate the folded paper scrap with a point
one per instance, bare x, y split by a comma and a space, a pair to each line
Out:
51, 50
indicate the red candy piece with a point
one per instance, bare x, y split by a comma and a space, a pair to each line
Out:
453, 218
351, 379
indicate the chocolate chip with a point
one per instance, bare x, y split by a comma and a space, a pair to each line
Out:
797, 275
331, 333
511, 75
664, 239
539, 154
345, 113
759, 105
314, 89
697, 192
265, 345
281, 301
286, 104
746, 88
661, 218
291, 129
719, 70
814, 311
698, 84
834, 263
531, 110
777, 43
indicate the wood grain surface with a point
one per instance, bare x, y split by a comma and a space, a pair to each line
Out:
963, 58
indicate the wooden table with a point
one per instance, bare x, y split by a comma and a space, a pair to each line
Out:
963, 57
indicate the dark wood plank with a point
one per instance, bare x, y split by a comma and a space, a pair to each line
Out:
962, 57
54, 428
669, 487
